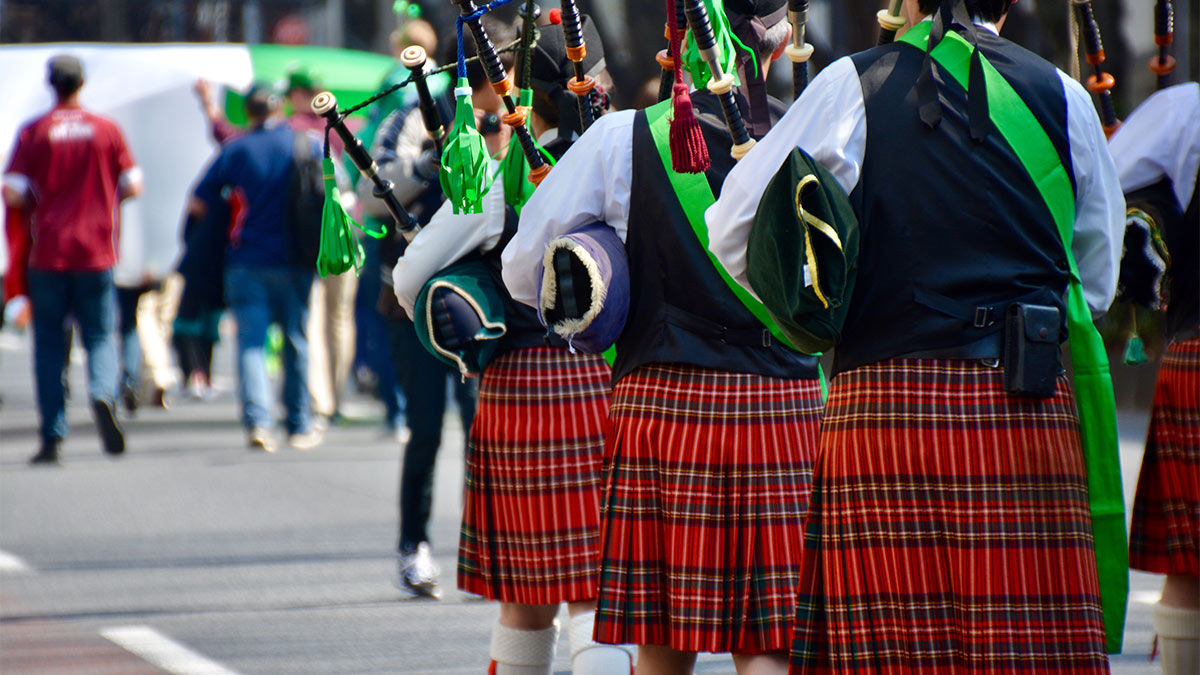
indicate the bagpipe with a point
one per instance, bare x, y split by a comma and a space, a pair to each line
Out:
584, 295
1151, 212
890, 22
1099, 82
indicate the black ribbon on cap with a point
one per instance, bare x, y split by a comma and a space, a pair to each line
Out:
930, 108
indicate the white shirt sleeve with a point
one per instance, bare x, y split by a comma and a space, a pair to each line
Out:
591, 183
1161, 138
448, 237
828, 122
1099, 203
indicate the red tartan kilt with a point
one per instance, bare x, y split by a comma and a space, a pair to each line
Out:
949, 529
708, 480
1165, 537
530, 530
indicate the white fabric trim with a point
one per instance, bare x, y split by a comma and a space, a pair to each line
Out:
523, 647
590, 183
569, 328
448, 237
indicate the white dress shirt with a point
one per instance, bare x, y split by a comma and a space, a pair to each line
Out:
448, 237
590, 183
1161, 138
829, 122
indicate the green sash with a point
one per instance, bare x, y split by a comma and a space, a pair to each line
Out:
695, 196
1089, 361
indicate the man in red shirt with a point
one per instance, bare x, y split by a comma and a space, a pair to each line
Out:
69, 171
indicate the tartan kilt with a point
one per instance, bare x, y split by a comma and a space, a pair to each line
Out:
531, 511
949, 529
1165, 536
708, 481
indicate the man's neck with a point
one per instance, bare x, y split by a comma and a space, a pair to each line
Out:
71, 101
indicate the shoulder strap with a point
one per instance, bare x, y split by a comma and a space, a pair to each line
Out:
1089, 360
695, 196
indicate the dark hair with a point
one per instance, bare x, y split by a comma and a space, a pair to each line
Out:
65, 75
988, 10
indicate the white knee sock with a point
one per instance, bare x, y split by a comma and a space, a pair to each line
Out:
589, 657
523, 652
1178, 631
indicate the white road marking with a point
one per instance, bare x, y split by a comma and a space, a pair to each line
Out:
162, 651
13, 564
1145, 597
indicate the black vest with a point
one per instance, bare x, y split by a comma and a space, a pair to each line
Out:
953, 231
681, 311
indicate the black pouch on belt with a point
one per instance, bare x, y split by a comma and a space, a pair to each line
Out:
1031, 335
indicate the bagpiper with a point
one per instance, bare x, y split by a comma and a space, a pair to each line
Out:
531, 512
714, 418
949, 526
1157, 153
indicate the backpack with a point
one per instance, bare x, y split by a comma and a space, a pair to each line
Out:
802, 253
306, 202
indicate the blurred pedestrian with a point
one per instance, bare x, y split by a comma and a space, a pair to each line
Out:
331, 308
70, 169
264, 282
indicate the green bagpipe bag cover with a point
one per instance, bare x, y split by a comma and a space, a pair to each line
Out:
459, 316
802, 253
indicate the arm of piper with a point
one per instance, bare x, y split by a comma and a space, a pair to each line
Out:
828, 122
447, 238
1099, 203
591, 183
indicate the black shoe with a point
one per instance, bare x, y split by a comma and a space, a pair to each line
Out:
47, 455
129, 399
106, 424
159, 399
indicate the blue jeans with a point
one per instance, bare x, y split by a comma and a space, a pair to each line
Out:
131, 348
258, 297
91, 298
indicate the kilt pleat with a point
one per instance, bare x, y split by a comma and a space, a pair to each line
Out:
1165, 537
531, 511
708, 479
949, 529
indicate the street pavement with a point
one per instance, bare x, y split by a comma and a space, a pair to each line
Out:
192, 554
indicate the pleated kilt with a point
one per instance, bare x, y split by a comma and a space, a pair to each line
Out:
708, 480
1165, 537
531, 512
949, 529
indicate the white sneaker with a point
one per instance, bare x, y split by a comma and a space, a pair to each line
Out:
260, 439
307, 440
416, 573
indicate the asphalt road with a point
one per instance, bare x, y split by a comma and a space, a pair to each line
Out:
191, 554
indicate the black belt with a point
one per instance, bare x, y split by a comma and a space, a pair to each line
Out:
989, 348
742, 337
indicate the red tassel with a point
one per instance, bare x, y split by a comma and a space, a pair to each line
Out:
689, 154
